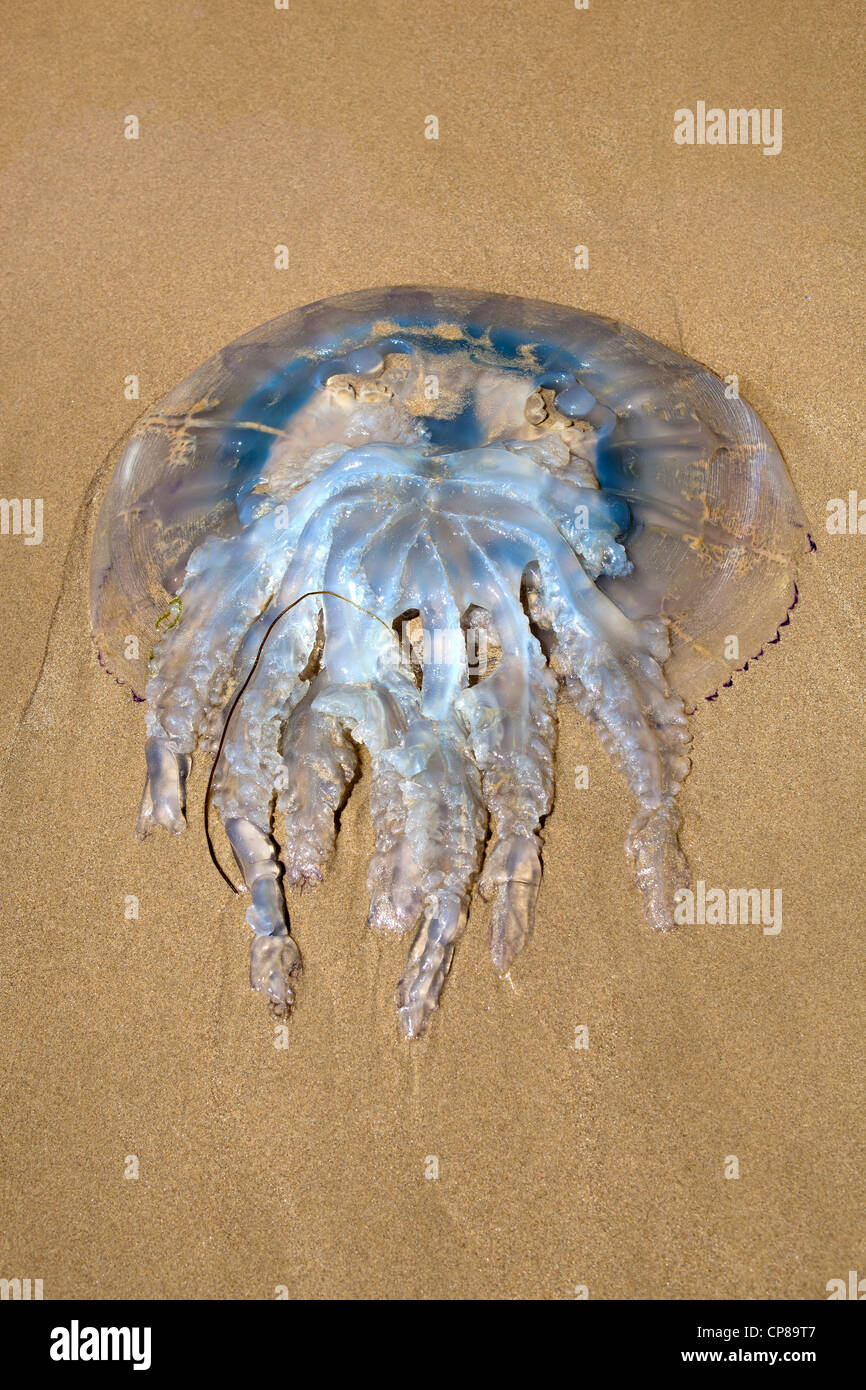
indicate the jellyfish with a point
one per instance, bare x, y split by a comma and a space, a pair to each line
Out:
396, 528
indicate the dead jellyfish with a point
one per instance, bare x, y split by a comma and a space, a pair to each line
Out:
408, 520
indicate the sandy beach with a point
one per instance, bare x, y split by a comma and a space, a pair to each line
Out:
306, 1168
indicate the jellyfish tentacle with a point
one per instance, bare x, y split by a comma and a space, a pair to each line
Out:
426, 588
228, 586
378, 716
162, 801
274, 956
642, 726
429, 962
243, 792
251, 765
446, 823
497, 482
446, 817
515, 755
630, 649
517, 780
611, 666
319, 764
373, 697
394, 875
396, 538
228, 583
426, 806
510, 716
428, 814
394, 879
429, 820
